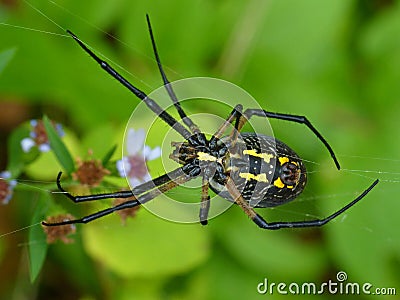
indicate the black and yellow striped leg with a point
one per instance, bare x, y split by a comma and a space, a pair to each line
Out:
205, 203
233, 116
299, 224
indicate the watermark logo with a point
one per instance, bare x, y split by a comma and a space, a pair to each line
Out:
339, 286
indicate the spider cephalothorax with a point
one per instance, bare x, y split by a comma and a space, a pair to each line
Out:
201, 156
252, 170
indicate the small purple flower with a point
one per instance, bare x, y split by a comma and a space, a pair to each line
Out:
6, 187
134, 165
38, 136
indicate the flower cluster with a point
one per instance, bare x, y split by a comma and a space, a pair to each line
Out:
127, 212
55, 233
6, 187
90, 172
38, 136
133, 166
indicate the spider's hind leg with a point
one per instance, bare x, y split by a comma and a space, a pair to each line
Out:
259, 221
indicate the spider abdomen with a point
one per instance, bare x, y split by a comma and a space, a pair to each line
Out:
266, 171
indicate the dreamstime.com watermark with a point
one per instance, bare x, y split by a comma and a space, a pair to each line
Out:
339, 287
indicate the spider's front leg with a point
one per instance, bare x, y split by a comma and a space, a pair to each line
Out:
142, 194
78, 199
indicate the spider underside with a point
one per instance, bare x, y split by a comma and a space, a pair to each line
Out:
249, 169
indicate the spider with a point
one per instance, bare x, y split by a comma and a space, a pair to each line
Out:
252, 170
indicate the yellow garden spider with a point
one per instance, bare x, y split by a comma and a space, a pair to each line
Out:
249, 169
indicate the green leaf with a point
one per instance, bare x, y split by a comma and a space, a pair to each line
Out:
37, 238
108, 155
147, 246
57, 145
16, 156
5, 57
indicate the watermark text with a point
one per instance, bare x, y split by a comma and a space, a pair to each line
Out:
340, 286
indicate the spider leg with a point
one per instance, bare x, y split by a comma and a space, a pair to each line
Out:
166, 117
299, 224
97, 215
239, 200
205, 202
123, 194
143, 198
234, 115
193, 127
286, 117
205, 198
76, 199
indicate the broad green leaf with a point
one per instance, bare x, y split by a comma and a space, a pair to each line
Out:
37, 238
5, 57
147, 246
58, 147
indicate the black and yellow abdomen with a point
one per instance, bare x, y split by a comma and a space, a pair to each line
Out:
265, 171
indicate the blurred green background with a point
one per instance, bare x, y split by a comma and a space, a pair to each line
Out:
337, 62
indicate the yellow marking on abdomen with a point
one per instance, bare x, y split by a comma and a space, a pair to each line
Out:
265, 156
279, 184
283, 160
206, 156
259, 177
